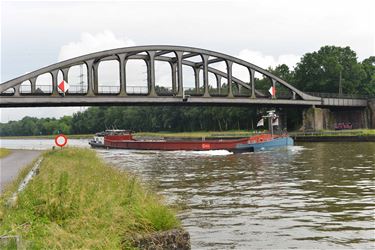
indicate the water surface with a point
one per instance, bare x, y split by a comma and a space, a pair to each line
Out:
315, 195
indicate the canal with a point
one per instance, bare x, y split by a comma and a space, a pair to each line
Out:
313, 195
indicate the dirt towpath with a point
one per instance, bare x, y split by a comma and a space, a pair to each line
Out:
13, 163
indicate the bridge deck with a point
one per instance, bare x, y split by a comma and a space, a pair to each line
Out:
30, 101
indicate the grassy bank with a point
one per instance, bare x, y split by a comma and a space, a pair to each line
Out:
77, 201
329, 133
4, 152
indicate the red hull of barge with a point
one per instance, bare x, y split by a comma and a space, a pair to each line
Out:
127, 142
174, 145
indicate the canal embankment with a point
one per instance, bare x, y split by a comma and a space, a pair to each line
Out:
78, 201
360, 135
4, 152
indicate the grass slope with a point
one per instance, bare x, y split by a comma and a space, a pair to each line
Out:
4, 152
78, 202
330, 133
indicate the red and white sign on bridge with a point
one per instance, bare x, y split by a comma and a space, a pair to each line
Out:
63, 86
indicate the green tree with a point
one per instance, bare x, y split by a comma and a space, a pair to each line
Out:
283, 72
368, 84
320, 71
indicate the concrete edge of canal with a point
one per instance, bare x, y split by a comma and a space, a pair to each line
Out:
12, 164
338, 138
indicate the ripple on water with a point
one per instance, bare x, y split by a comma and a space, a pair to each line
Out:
318, 195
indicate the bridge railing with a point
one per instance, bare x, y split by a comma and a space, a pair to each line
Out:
75, 89
40, 89
337, 95
136, 90
81, 89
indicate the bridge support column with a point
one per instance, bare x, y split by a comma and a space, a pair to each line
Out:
90, 77
96, 77
17, 90
205, 75
229, 78
54, 82
123, 60
218, 83
252, 80
174, 82
196, 79
33, 85
274, 87
65, 72
151, 73
179, 73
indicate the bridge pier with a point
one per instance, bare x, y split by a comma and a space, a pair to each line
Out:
371, 113
315, 119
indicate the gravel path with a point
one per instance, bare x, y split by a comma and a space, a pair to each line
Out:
13, 163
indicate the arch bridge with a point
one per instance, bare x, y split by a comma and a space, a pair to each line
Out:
228, 89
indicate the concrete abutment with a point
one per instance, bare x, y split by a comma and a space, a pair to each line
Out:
371, 113
315, 119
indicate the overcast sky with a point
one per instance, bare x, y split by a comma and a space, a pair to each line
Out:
267, 33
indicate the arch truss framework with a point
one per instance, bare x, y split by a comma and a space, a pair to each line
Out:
175, 56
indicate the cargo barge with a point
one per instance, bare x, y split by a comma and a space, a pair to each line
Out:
123, 139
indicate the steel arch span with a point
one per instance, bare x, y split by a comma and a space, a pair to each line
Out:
177, 57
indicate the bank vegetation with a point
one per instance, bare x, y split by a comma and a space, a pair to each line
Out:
4, 152
78, 202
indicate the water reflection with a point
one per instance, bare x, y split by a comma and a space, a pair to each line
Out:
317, 195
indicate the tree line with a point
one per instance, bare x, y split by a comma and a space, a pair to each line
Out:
158, 118
319, 71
